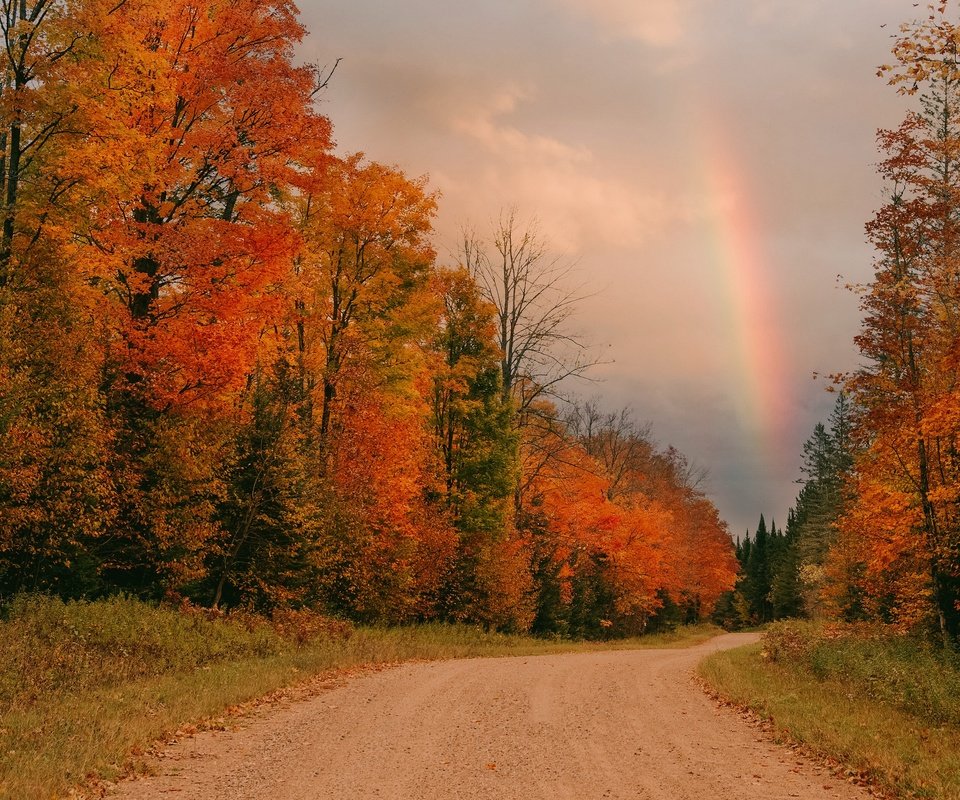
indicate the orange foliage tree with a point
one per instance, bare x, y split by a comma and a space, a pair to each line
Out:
55, 490
200, 118
619, 529
904, 518
363, 312
365, 258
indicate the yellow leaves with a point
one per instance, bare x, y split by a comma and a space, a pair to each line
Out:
925, 51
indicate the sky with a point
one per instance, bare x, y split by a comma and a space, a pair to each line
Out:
707, 166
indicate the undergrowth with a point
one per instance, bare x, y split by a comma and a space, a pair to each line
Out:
909, 672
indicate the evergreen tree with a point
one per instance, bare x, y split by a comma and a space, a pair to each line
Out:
758, 574
798, 575
473, 426
785, 587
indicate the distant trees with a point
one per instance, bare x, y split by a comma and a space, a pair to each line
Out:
787, 573
612, 529
621, 532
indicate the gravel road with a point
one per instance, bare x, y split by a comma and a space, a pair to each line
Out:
618, 724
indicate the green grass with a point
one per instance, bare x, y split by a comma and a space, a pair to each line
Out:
87, 688
885, 705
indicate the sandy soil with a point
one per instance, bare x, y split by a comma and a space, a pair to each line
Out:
621, 724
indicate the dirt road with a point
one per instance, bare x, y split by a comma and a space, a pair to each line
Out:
621, 724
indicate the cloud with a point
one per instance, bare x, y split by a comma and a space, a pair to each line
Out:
484, 123
590, 118
578, 203
661, 23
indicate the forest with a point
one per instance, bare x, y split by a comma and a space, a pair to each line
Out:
235, 374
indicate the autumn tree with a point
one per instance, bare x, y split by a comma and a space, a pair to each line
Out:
364, 318
366, 250
184, 239
621, 530
56, 496
615, 440
190, 239
569, 523
42, 41
908, 472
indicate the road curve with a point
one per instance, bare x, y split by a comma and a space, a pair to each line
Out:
618, 724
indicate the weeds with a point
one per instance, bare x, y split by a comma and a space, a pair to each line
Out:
873, 662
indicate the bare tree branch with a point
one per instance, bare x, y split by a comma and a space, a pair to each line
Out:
529, 288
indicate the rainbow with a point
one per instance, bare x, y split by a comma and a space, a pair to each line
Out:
746, 299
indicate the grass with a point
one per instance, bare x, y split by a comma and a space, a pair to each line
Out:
86, 689
884, 705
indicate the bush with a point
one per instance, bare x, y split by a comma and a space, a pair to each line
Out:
303, 626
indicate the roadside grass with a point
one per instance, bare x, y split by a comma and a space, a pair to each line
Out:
884, 705
86, 689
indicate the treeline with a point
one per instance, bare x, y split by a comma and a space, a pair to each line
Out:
233, 371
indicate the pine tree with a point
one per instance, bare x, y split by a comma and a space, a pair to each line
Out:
757, 582
799, 577
785, 589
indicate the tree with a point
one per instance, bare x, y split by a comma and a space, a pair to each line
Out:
908, 471
758, 573
56, 496
366, 251
187, 238
473, 426
262, 555
615, 440
42, 40
142, 164
526, 285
